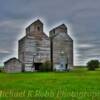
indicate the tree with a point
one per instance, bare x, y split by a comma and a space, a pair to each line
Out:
93, 64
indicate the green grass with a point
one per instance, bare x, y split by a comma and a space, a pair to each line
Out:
78, 84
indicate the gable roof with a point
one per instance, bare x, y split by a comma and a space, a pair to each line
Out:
60, 29
11, 59
38, 21
62, 26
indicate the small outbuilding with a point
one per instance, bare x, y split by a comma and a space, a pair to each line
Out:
13, 65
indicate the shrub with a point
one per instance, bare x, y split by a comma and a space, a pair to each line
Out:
23, 68
46, 66
1, 69
91, 65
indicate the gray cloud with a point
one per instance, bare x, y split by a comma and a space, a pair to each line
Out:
82, 15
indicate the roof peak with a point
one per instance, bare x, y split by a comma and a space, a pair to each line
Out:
62, 25
38, 20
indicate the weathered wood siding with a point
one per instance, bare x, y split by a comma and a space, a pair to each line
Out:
62, 42
13, 65
34, 43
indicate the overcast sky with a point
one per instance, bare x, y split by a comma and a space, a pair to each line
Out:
82, 18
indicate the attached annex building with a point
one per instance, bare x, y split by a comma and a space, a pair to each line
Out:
13, 65
34, 47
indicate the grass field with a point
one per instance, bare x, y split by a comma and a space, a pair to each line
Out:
78, 84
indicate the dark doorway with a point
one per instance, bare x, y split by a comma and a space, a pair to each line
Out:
37, 66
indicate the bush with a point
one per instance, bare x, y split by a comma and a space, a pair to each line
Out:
23, 68
1, 69
46, 66
93, 64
